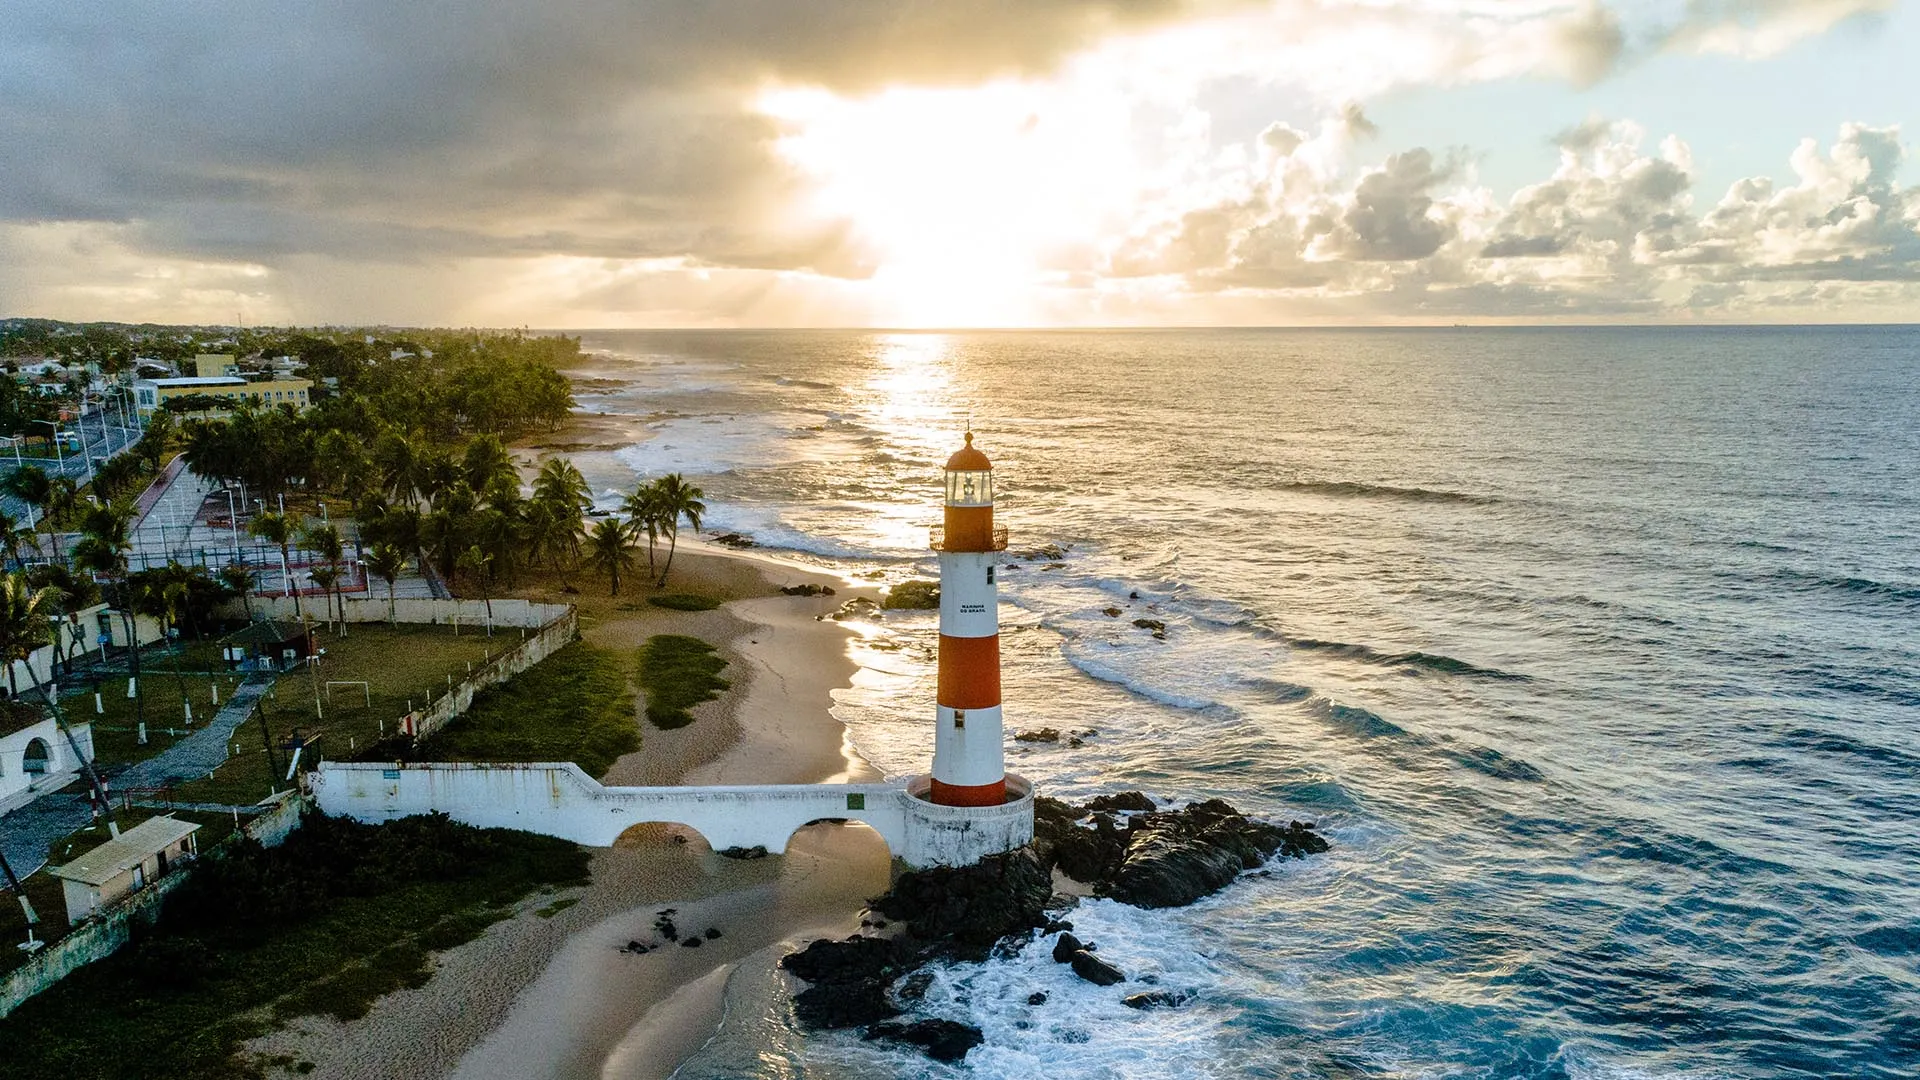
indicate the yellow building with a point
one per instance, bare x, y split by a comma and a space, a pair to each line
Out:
151, 394
214, 365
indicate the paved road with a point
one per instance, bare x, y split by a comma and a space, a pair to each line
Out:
26, 832
103, 439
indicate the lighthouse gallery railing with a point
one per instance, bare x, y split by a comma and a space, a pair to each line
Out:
937, 538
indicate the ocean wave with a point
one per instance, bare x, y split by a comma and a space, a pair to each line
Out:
1801, 581
1425, 661
1353, 489
1133, 684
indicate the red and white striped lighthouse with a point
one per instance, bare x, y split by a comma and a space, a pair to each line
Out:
969, 762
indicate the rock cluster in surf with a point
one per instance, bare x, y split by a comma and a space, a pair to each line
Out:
1123, 846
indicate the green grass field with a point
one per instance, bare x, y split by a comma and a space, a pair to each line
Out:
678, 672
573, 706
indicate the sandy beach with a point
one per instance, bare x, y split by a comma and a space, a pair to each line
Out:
550, 992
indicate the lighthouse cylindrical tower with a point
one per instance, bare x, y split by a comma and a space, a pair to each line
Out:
969, 761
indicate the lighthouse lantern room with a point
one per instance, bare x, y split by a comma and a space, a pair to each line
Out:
969, 761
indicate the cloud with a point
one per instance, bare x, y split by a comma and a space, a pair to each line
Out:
1754, 29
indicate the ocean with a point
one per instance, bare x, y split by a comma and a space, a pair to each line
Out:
1595, 652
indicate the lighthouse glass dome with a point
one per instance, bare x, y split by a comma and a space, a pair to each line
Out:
968, 488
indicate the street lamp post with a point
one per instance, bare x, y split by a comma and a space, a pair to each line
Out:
233, 522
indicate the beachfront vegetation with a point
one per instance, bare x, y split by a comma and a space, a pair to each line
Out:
573, 706
684, 602
678, 672
326, 923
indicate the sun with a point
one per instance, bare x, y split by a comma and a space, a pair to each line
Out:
969, 196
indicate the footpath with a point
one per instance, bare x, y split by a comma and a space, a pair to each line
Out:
26, 832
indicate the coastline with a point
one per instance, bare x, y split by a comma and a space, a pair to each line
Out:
549, 993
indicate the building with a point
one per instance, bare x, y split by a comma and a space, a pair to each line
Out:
34, 756
125, 864
969, 763
215, 365
267, 645
150, 395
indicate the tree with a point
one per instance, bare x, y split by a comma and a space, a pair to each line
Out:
477, 564
643, 517
387, 562
239, 577
609, 551
486, 464
277, 529
106, 537
325, 539
23, 629
11, 535
557, 512
63, 494
31, 485
678, 499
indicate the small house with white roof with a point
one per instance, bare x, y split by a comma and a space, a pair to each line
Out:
125, 864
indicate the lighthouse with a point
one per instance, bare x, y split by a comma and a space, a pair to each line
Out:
969, 762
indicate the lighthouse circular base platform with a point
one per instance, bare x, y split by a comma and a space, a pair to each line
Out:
939, 835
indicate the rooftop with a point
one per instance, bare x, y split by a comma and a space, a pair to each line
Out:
200, 380
122, 853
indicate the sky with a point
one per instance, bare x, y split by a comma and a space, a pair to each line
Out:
696, 163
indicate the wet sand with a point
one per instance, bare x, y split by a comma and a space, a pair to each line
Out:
555, 995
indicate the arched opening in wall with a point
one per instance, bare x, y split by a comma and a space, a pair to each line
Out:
658, 835
840, 840
37, 757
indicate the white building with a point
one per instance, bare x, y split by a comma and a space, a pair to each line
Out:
35, 758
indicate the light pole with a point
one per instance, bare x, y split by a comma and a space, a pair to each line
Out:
57, 454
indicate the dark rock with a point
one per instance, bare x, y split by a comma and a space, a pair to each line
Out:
1047, 552
943, 1040
1162, 869
1112, 612
713, 933
635, 947
1064, 949
809, 589
849, 980
690, 943
1038, 997
1156, 999
1150, 624
1054, 926
757, 851
914, 595
1075, 743
914, 986
663, 925
968, 908
1083, 854
857, 608
1133, 596
735, 540
1125, 800
1095, 970
1045, 734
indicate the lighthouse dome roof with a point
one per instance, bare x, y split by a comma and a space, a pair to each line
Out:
967, 459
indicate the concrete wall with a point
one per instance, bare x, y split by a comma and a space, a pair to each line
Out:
77, 640
102, 935
559, 799
535, 647
517, 614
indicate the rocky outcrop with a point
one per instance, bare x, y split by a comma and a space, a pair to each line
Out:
1045, 734
913, 596
1126, 846
809, 589
734, 540
943, 1040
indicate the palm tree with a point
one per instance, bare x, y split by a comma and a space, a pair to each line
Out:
23, 629
31, 485
170, 602
608, 550
386, 562
477, 564
278, 529
10, 536
678, 499
106, 538
487, 464
643, 516
325, 539
63, 494
238, 577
